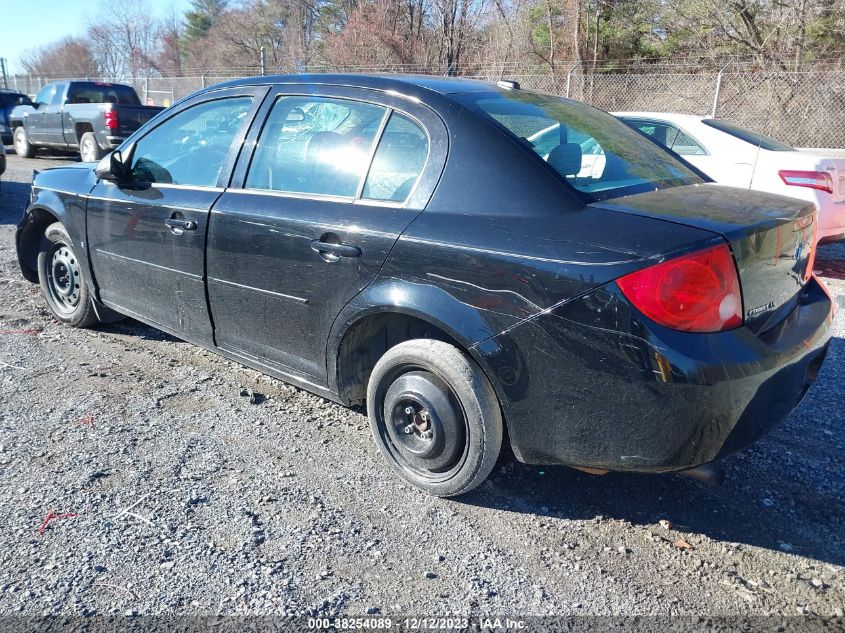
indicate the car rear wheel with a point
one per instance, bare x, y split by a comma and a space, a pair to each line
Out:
62, 280
89, 149
435, 416
23, 147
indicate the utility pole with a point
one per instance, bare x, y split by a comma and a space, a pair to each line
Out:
3, 70
263, 61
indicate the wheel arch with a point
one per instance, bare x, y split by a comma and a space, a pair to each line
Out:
30, 233
391, 311
81, 128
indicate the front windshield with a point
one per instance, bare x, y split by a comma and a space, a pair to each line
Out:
596, 154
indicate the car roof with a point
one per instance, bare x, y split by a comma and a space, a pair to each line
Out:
672, 117
397, 82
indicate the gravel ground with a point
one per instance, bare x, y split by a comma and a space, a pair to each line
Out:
175, 495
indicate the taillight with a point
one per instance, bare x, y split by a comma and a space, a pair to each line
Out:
695, 293
820, 180
110, 119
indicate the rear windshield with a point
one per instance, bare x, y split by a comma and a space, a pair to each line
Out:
749, 136
597, 155
102, 93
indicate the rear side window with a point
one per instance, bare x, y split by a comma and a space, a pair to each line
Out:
191, 147
102, 93
685, 145
398, 161
597, 155
315, 145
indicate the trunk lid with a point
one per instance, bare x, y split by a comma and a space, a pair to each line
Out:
771, 237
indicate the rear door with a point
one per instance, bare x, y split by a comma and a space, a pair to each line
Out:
147, 237
336, 175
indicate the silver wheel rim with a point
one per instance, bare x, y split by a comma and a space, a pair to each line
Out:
64, 279
20, 142
87, 151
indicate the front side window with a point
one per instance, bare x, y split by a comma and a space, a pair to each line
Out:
58, 93
669, 136
598, 155
662, 133
398, 161
315, 145
45, 95
191, 147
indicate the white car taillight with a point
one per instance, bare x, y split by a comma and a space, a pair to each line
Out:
820, 180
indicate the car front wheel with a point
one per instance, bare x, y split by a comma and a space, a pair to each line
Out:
435, 416
62, 279
23, 147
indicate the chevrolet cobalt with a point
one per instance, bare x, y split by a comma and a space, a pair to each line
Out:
401, 243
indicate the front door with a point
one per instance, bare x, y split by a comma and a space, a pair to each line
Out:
147, 236
36, 128
51, 121
331, 185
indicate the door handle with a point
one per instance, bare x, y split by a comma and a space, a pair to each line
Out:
181, 224
334, 249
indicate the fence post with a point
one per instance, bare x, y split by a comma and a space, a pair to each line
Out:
262, 57
719, 88
569, 77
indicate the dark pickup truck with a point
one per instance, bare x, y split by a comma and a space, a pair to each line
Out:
92, 117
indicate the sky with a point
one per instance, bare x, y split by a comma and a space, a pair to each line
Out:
30, 24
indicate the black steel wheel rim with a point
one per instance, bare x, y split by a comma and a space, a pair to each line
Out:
422, 424
64, 279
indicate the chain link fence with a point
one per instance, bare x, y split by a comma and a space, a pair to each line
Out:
804, 109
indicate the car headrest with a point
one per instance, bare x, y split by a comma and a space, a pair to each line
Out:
566, 159
323, 147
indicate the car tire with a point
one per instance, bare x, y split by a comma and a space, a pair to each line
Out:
434, 416
89, 149
62, 279
23, 147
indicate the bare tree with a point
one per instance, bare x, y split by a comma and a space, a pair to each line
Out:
125, 40
69, 57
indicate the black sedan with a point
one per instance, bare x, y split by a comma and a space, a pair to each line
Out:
402, 243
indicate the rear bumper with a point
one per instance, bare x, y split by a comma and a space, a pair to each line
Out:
112, 142
831, 219
600, 388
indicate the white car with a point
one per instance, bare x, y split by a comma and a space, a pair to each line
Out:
733, 155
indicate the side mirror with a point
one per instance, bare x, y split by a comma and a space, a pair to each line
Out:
116, 167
